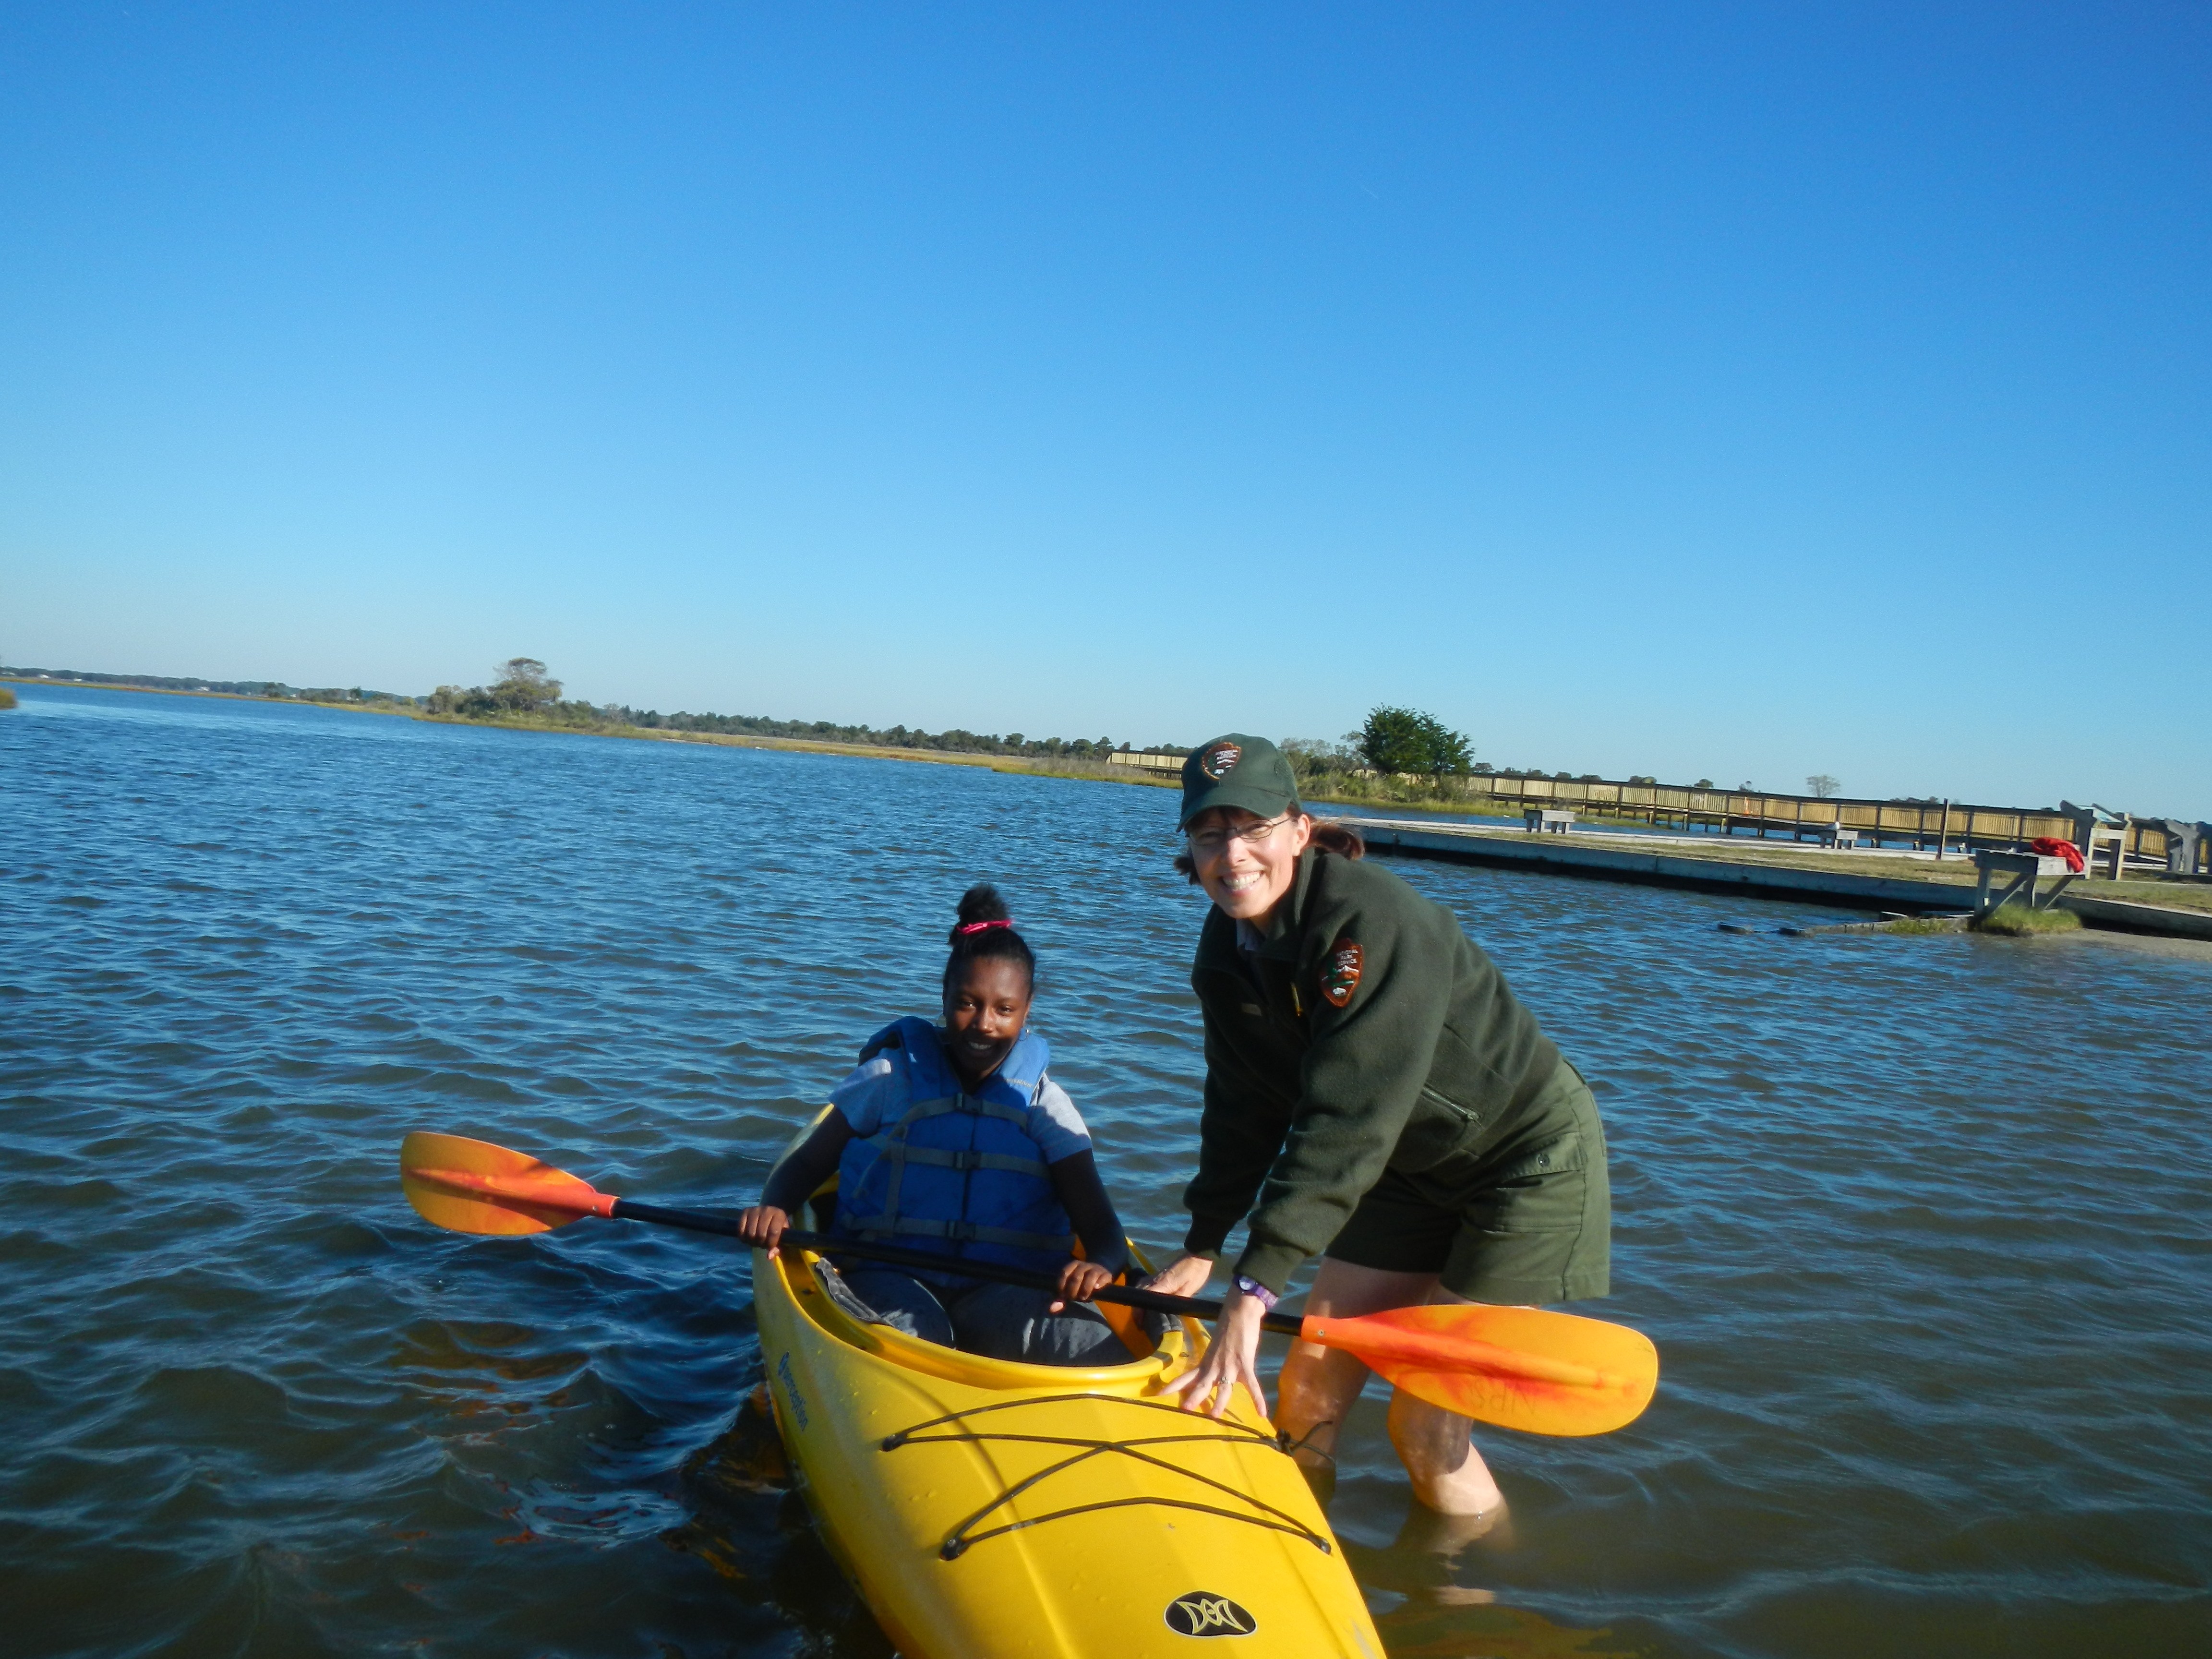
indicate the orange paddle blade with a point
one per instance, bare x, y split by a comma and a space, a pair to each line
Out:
1519, 1368
474, 1187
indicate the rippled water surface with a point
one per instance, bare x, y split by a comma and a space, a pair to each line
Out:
1920, 1226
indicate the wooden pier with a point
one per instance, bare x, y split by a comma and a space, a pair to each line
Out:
1943, 827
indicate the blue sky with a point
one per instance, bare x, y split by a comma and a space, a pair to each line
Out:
1737, 392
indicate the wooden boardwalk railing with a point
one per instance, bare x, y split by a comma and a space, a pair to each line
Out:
1927, 825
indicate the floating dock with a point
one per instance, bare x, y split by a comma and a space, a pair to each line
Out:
1803, 875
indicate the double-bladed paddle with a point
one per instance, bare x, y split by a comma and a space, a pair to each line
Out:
1519, 1368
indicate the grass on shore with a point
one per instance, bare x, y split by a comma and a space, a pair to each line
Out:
375, 706
2173, 893
2016, 921
1055, 766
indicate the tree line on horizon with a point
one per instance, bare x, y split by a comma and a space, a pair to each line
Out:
525, 690
1394, 747
276, 691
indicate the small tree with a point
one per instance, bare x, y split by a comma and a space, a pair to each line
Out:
1449, 752
1405, 740
1391, 741
524, 686
1821, 786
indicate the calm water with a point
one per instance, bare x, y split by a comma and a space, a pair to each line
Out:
1920, 1226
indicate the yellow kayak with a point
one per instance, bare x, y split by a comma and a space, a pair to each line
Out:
990, 1509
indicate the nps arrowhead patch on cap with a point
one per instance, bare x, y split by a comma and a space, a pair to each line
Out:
1340, 973
1220, 760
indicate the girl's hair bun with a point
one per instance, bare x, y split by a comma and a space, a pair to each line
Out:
980, 904
986, 930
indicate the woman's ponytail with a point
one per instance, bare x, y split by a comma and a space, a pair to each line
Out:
1336, 835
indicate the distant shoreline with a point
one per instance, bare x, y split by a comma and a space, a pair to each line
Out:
2145, 897
227, 696
1038, 765
1035, 765
1042, 766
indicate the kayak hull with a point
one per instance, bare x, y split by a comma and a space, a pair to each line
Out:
986, 1510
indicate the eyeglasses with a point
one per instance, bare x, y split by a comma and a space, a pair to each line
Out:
1211, 843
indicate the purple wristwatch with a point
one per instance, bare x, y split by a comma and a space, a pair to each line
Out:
1259, 1292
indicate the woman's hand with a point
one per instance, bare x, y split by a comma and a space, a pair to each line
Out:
1231, 1358
1184, 1276
1080, 1280
762, 1226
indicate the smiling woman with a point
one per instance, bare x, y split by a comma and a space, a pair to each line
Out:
953, 1140
1373, 1084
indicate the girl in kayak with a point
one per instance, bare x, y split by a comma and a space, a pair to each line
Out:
951, 1139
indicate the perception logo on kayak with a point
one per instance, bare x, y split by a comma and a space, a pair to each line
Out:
1201, 1613
791, 1387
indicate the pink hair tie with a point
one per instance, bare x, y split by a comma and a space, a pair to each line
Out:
967, 928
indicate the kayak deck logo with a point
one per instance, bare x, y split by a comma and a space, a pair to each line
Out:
1202, 1612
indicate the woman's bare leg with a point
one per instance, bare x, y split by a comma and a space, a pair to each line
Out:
1319, 1384
1435, 1445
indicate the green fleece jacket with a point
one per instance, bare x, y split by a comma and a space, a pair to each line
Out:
1367, 1032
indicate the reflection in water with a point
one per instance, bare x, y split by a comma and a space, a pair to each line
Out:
1447, 1626
1433, 1587
1915, 1222
729, 1483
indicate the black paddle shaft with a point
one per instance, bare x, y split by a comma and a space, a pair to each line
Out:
700, 1221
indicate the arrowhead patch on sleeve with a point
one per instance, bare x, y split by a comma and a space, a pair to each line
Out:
1339, 974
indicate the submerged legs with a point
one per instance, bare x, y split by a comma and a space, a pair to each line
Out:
1319, 1384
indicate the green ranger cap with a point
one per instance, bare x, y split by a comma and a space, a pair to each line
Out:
1236, 770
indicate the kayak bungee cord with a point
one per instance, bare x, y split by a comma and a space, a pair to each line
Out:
958, 1541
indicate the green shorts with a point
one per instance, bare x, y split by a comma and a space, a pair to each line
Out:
1529, 1220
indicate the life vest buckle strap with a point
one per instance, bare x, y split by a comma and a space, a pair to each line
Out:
959, 1233
969, 1159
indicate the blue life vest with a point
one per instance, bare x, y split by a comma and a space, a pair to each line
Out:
956, 1175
